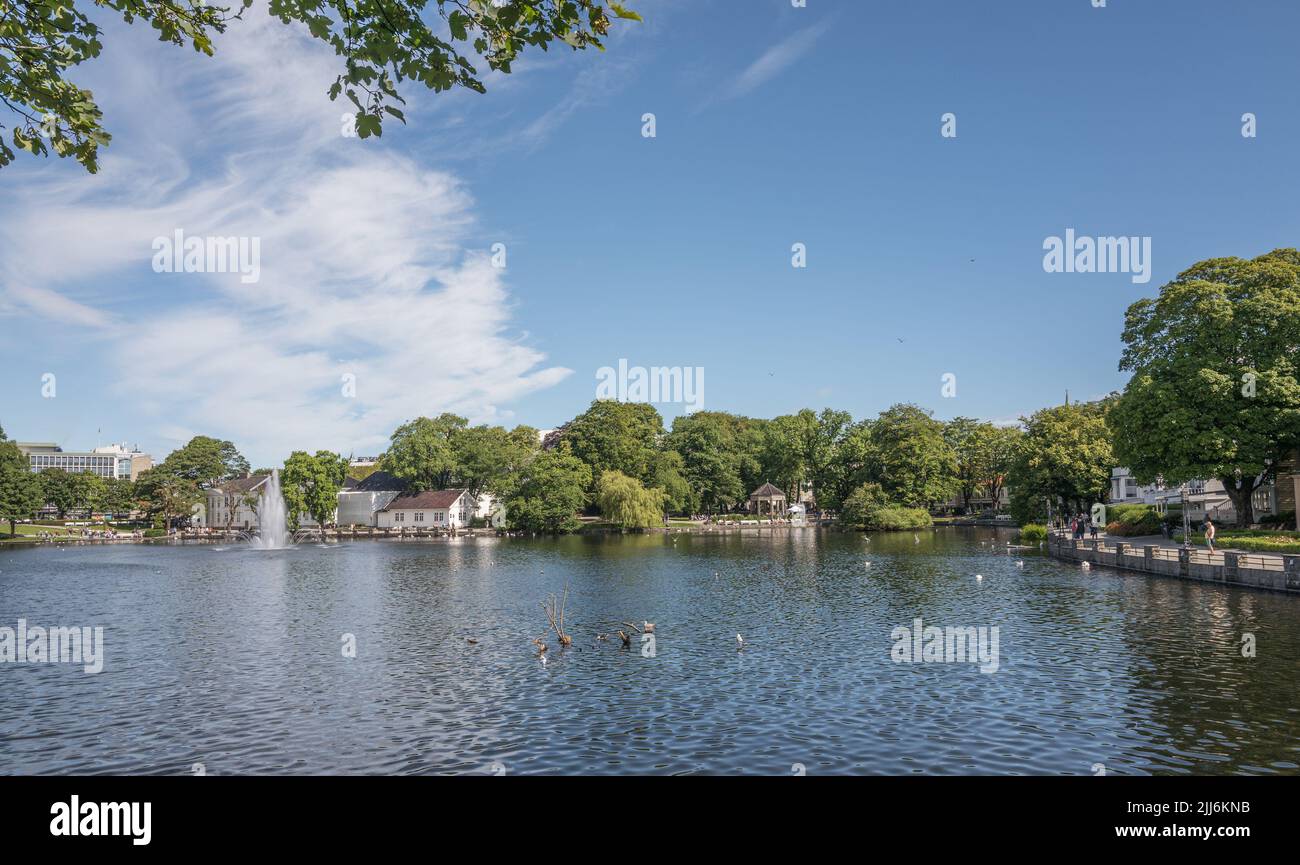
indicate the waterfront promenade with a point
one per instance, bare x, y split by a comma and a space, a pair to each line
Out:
1161, 556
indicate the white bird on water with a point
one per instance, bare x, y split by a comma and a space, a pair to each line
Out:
868, 564
1020, 564
979, 578
740, 642
1086, 566
543, 659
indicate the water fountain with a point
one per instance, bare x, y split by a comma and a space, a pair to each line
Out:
273, 518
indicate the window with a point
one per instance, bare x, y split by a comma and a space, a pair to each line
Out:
399, 517
419, 517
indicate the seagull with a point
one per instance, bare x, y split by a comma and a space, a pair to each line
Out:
979, 578
868, 564
740, 642
1020, 564
1086, 566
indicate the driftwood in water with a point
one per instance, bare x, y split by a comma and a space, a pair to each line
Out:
555, 615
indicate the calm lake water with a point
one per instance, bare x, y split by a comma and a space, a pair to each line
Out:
232, 658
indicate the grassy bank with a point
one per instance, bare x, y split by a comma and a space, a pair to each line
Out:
1252, 540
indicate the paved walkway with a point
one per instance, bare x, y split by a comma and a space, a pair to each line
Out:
1202, 552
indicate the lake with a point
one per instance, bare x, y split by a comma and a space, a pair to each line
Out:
234, 659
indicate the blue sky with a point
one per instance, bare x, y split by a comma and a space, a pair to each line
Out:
775, 125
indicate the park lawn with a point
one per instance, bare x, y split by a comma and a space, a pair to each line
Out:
1253, 541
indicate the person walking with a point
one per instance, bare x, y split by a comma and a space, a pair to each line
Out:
1209, 534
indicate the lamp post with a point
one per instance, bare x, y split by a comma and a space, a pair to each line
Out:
1187, 525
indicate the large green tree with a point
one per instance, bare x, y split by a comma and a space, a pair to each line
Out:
626, 502
549, 492
984, 454
616, 436
380, 43
166, 496
709, 445
914, 463
63, 490
484, 456
21, 495
1065, 457
205, 461
421, 451
311, 483
1214, 392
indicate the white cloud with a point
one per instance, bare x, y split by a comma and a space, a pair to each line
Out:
364, 265
775, 60
51, 304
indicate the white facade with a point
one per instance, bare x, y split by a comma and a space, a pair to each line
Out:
233, 504
112, 461
361, 507
491, 509
1204, 498
439, 509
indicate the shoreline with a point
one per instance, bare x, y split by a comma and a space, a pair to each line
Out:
1266, 571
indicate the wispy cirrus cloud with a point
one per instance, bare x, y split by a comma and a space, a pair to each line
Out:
368, 264
773, 61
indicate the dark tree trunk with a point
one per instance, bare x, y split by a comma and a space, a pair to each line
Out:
1241, 500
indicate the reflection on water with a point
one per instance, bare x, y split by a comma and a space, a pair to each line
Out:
233, 658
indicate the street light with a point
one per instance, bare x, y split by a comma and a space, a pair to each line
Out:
1187, 526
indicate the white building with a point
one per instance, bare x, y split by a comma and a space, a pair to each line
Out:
111, 461
491, 510
436, 509
234, 504
1204, 498
360, 503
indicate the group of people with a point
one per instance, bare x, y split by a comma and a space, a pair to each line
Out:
90, 534
1080, 524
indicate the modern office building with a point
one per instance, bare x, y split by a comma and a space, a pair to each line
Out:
112, 461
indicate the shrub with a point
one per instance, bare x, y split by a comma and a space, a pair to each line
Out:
1286, 518
861, 504
895, 518
1033, 532
1133, 521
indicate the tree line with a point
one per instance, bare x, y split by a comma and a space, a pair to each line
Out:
1213, 395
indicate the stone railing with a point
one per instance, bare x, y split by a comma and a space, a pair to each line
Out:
1229, 567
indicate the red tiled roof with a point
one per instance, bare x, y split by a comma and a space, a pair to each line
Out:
432, 500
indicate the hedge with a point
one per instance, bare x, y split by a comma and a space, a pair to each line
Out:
1033, 532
